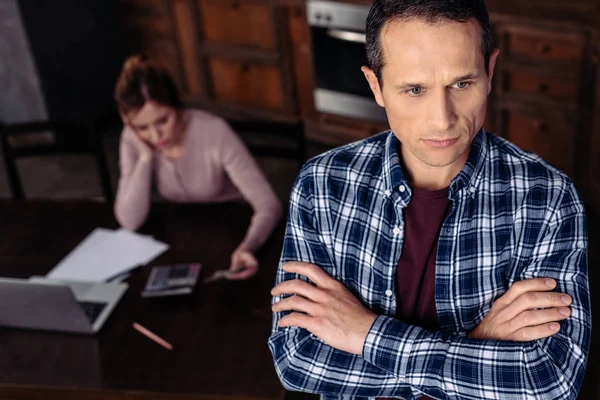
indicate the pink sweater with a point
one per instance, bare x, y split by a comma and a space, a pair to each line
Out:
215, 167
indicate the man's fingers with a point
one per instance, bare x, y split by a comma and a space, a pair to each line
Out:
535, 332
528, 285
295, 303
297, 286
533, 318
296, 319
532, 300
311, 271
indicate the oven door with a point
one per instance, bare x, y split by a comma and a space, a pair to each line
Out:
338, 41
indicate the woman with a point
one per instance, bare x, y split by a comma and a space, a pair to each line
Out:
192, 155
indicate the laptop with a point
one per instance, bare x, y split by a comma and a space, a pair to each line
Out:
53, 305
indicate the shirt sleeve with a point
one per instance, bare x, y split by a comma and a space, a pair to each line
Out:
401, 360
302, 361
132, 203
246, 175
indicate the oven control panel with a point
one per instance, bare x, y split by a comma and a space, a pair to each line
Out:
338, 15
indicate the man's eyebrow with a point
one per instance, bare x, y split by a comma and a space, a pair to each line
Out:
469, 76
408, 85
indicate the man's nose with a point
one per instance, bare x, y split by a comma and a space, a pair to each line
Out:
442, 113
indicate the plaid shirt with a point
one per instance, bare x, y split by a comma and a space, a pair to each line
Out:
513, 217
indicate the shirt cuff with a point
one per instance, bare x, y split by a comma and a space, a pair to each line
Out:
388, 345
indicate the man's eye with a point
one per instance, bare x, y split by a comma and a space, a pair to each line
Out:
163, 120
415, 91
461, 85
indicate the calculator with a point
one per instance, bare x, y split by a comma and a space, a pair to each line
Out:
172, 280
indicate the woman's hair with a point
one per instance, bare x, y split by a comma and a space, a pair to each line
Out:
142, 80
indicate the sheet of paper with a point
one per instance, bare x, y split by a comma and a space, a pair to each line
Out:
105, 253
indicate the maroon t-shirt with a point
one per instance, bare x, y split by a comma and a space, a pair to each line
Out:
415, 279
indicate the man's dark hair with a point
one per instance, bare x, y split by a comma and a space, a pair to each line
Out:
431, 11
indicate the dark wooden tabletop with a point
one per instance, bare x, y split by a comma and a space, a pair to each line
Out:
219, 334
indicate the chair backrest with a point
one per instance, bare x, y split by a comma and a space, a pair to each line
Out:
293, 132
47, 138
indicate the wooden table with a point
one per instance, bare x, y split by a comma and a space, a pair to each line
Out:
219, 334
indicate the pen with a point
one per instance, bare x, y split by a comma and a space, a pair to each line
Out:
152, 336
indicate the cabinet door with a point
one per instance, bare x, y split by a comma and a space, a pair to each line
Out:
245, 83
238, 22
551, 134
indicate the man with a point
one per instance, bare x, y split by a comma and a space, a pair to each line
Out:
441, 259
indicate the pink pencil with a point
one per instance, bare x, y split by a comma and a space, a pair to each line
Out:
152, 336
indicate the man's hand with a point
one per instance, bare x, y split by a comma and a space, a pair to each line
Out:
328, 310
527, 311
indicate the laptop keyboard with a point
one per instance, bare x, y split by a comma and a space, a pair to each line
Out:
92, 309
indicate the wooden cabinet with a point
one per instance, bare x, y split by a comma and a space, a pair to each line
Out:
540, 94
545, 132
148, 28
228, 56
247, 83
239, 23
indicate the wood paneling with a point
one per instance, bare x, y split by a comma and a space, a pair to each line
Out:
246, 83
187, 32
238, 22
547, 134
544, 45
543, 87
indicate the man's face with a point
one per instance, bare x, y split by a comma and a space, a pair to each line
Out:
435, 88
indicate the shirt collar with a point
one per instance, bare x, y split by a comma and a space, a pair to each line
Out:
469, 177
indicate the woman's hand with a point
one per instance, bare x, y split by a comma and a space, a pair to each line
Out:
145, 150
243, 259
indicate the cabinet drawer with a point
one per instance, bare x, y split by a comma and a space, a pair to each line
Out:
542, 86
249, 84
544, 45
238, 22
549, 134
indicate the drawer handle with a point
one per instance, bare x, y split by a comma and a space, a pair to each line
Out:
545, 48
245, 68
541, 126
235, 5
543, 88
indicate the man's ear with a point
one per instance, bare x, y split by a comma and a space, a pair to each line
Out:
491, 68
373, 84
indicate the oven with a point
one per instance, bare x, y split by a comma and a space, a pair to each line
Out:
338, 42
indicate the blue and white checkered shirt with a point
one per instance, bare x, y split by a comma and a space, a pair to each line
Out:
513, 217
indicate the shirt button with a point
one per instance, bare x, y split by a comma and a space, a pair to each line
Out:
472, 189
387, 193
389, 293
396, 231
402, 188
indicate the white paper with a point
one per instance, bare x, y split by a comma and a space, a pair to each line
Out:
106, 253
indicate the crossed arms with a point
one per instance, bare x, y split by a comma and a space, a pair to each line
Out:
325, 341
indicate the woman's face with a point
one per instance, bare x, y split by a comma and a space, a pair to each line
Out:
156, 124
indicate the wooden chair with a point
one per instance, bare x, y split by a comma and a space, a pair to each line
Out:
22, 140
